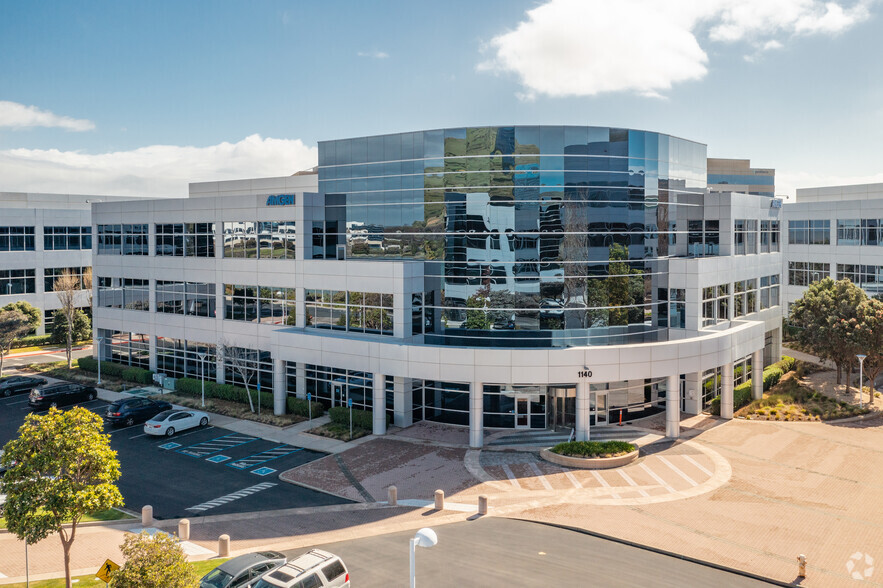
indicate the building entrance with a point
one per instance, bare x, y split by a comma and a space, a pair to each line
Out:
522, 412
338, 394
561, 407
598, 408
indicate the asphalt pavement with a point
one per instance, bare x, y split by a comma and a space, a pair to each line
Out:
493, 552
13, 361
198, 472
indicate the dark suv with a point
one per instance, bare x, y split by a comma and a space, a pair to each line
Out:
19, 385
134, 410
61, 395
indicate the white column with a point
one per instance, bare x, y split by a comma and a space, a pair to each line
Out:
403, 411
280, 387
673, 407
151, 349
757, 375
693, 393
300, 380
727, 391
378, 406
582, 411
300, 305
476, 415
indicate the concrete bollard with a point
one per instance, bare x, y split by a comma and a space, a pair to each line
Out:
482, 505
801, 566
146, 515
184, 530
392, 496
439, 500
224, 546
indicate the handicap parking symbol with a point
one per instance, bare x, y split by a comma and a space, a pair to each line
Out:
169, 445
263, 471
217, 458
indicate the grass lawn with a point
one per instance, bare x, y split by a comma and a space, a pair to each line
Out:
110, 514
789, 400
201, 567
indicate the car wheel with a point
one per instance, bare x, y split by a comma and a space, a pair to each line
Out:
130, 421
170, 431
203, 421
90, 396
7, 392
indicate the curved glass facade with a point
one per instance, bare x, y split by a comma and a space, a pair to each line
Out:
532, 236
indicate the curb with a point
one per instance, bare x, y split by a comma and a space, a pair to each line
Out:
682, 557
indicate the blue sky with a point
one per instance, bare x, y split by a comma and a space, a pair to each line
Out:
140, 98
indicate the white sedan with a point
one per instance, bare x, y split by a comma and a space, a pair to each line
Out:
169, 422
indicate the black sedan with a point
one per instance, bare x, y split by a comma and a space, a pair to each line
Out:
134, 410
61, 395
19, 385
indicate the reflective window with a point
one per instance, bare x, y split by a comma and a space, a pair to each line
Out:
17, 239
67, 238
185, 239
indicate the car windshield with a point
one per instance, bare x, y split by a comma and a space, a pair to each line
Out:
163, 415
216, 578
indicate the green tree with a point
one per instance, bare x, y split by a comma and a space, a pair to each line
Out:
868, 335
32, 312
823, 318
82, 327
153, 562
13, 325
59, 468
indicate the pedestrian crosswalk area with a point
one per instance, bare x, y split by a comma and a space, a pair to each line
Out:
230, 497
681, 471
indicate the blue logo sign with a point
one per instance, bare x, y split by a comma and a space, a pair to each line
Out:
280, 200
349, 402
309, 396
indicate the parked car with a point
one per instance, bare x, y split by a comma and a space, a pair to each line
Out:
314, 569
60, 395
240, 571
19, 385
169, 422
134, 410
2, 467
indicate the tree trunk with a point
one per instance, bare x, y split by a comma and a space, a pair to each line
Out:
839, 372
70, 343
66, 542
248, 393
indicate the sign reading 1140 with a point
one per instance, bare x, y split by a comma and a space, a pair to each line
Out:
587, 373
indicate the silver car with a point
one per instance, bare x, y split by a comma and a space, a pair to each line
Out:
240, 571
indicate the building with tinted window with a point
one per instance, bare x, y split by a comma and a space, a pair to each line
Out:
490, 277
737, 175
41, 237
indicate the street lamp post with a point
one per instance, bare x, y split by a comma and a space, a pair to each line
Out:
861, 365
425, 537
100, 339
202, 363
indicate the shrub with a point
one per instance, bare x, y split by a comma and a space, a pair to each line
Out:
771, 377
593, 448
108, 368
87, 363
32, 341
742, 395
301, 407
361, 418
82, 327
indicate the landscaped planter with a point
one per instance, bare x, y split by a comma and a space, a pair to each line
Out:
589, 463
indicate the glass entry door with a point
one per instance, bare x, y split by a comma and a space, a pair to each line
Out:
338, 394
522, 413
598, 408
561, 403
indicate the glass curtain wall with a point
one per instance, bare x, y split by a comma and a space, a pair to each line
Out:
541, 236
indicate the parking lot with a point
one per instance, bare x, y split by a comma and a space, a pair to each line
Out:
198, 472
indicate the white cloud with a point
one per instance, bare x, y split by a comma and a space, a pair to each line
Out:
373, 54
18, 116
589, 47
155, 170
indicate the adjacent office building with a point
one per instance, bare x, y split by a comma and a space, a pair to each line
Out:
41, 237
489, 277
737, 175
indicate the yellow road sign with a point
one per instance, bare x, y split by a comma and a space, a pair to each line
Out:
106, 568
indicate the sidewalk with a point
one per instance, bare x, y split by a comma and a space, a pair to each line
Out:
46, 351
807, 357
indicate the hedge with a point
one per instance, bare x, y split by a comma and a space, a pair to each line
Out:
593, 448
32, 341
363, 419
301, 407
742, 393
108, 368
193, 388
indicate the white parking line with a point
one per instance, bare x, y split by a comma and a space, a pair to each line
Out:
661, 482
631, 482
603, 482
573, 479
677, 470
2, 575
125, 428
540, 475
511, 476
698, 465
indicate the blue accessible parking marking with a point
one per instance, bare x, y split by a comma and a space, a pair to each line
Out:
263, 471
169, 445
218, 444
264, 456
217, 458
